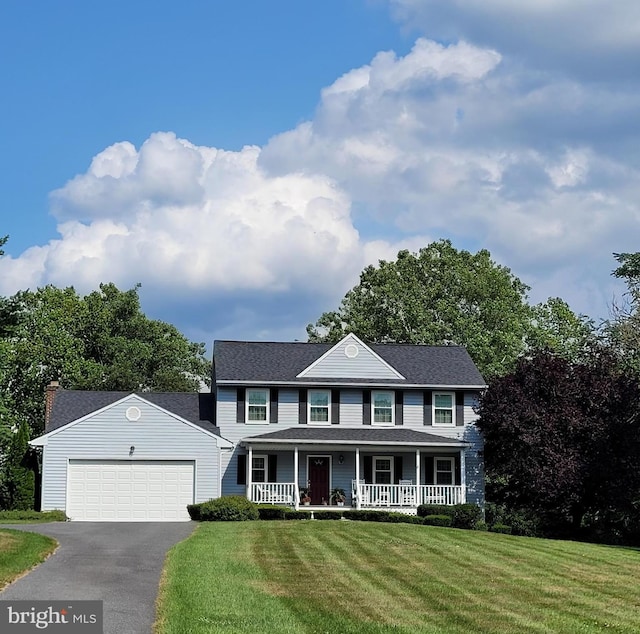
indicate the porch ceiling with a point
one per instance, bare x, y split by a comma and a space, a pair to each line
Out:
331, 435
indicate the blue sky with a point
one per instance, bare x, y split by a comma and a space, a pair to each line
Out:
245, 160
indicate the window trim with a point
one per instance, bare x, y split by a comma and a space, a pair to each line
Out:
452, 463
393, 408
248, 404
374, 470
309, 406
265, 469
434, 408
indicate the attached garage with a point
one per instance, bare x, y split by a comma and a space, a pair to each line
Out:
118, 457
129, 491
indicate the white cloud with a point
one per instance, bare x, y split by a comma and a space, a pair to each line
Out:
590, 38
534, 167
460, 141
189, 220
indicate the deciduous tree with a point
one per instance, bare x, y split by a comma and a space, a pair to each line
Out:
562, 437
440, 296
99, 342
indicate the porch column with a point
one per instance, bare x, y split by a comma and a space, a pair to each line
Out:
463, 475
418, 496
358, 478
296, 488
249, 470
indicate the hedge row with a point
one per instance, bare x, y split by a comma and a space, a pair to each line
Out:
238, 508
48, 516
467, 516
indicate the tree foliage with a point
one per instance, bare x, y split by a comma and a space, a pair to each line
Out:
562, 438
18, 480
555, 327
98, 342
442, 296
623, 328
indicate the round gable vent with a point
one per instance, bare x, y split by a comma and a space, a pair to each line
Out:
133, 413
351, 351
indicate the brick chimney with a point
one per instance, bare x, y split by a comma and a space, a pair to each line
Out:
49, 396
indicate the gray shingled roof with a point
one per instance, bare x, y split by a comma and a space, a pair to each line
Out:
275, 362
353, 435
70, 405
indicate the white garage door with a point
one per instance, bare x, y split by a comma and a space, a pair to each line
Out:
129, 491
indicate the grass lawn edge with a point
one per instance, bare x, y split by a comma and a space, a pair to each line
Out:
43, 555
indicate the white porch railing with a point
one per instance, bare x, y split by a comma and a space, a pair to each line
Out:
408, 495
273, 493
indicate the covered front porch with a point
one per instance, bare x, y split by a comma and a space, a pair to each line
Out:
390, 469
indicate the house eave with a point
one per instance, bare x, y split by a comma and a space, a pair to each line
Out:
334, 383
244, 442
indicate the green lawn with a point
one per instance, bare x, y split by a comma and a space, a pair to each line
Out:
20, 551
343, 577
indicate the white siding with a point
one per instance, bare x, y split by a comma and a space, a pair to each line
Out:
109, 435
337, 365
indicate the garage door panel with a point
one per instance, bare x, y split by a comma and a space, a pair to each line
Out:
129, 490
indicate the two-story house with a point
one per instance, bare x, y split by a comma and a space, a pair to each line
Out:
392, 425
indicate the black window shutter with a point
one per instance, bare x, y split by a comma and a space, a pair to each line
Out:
397, 468
335, 407
428, 470
459, 408
273, 407
427, 407
302, 406
366, 407
457, 477
399, 406
272, 470
240, 405
367, 463
241, 476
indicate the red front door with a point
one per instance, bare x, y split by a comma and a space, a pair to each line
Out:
319, 479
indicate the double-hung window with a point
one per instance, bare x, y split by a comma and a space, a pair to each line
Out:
382, 404
443, 470
444, 408
383, 470
319, 406
257, 406
259, 469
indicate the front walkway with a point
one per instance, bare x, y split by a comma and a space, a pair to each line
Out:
118, 563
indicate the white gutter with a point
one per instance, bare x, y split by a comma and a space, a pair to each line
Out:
387, 385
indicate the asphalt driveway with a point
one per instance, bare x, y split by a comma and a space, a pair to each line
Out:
118, 563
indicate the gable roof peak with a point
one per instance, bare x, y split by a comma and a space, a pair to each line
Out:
352, 356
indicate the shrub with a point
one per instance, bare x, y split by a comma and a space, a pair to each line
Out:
481, 526
49, 516
365, 515
435, 509
501, 528
522, 521
229, 508
270, 512
494, 513
403, 518
437, 520
327, 515
466, 516
194, 511
292, 514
